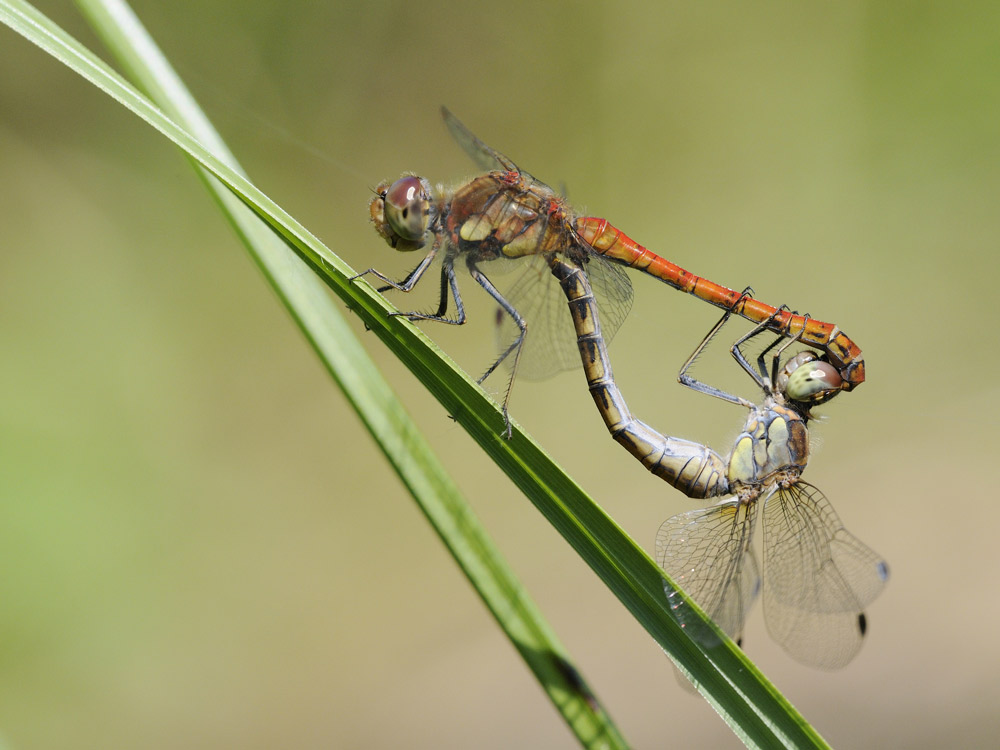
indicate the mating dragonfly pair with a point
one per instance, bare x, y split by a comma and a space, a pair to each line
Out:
818, 578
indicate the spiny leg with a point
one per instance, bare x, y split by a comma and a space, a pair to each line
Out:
515, 347
776, 361
761, 375
697, 385
761, 364
448, 282
411, 278
760, 378
778, 339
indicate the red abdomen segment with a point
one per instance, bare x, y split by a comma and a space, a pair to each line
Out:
612, 243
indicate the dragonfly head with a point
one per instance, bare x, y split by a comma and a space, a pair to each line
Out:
809, 380
401, 212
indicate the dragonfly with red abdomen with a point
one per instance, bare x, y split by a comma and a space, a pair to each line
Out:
506, 214
818, 577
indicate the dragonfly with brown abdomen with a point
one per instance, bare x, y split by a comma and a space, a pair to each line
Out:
818, 577
506, 214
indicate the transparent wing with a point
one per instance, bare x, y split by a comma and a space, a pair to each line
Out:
550, 345
708, 553
818, 578
485, 157
613, 291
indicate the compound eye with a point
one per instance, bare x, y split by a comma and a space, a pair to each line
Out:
813, 381
407, 208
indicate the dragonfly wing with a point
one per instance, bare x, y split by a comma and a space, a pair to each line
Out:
613, 291
550, 345
708, 553
485, 157
818, 578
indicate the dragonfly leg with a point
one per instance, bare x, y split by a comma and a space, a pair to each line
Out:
411, 278
686, 380
762, 357
448, 282
515, 346
776, 361
759, 374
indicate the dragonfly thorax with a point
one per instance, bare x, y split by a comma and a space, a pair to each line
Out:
504, 214
774, 440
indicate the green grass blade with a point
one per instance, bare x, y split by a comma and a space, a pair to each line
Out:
754, 709
373, 400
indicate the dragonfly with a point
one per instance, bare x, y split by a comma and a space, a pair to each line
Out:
508, 215
818, 578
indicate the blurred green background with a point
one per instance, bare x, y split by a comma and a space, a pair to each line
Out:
188, 503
